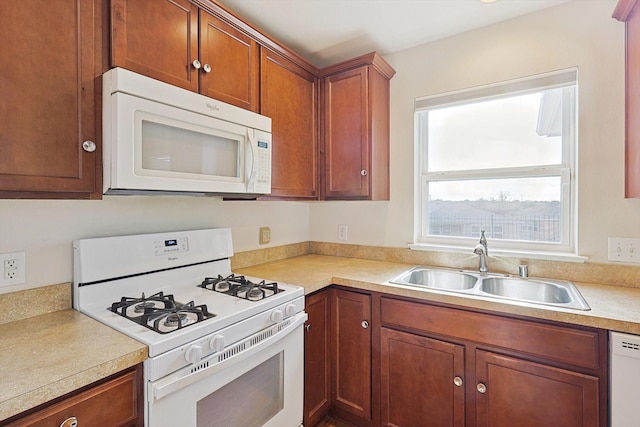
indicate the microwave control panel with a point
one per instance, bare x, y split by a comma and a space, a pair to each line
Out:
264, 162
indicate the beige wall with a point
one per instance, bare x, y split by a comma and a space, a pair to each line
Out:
577, 34
45, 229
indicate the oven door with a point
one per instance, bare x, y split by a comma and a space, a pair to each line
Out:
257, 382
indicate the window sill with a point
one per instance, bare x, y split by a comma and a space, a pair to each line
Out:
506, 253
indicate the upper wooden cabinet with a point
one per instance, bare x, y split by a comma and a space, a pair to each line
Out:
178, 43
628, 11
355, 129
288, 94
50, 59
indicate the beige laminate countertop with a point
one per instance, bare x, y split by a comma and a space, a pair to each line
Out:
612, 307
47, 356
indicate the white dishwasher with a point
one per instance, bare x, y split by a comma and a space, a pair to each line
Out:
624, 379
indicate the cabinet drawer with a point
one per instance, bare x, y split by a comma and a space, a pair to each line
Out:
579, 347
114, 403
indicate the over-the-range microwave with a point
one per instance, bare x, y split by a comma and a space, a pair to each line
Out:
161, 139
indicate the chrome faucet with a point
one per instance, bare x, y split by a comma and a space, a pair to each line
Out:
481, 250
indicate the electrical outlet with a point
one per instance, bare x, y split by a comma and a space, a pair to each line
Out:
342, 232
624, 249
265, 235
13, 268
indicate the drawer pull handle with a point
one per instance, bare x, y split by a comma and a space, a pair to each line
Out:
481, 388
70, 422
457, 381
307, 327
365, 324
207, 68
196, 64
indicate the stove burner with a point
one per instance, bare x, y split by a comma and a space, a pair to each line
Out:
160, 313
174, 319
239, 286
140, 308
136, 307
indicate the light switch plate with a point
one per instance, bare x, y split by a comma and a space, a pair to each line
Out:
265, 235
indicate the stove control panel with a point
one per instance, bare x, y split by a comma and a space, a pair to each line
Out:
171, 246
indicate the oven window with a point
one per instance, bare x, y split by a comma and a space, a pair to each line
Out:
176, 149
248, 401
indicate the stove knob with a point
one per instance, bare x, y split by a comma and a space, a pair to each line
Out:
290, 310
193, 354
217, 343
277, 316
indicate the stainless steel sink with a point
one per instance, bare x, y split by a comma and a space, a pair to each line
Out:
558, 293
438, 279
533, 291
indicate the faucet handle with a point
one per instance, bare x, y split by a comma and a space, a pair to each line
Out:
483, 240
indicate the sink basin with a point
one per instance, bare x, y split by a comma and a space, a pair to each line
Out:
533, 291
438, 279
527, 290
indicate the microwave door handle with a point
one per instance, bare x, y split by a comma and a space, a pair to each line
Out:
251, 159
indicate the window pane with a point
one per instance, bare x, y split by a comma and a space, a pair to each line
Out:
525, 209
522, 130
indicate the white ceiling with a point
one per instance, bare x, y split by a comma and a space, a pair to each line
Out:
329, 31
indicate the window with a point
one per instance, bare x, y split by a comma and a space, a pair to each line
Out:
499, 158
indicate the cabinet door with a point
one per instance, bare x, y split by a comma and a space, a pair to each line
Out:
421, 381
316, 358
158, 39
115, 403
288, 96
234, 60
346, 138
50, 58
513, 392
351, 318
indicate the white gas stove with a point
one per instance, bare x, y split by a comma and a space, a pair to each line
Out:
175, 292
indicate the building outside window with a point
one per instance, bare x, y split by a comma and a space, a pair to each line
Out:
499, 158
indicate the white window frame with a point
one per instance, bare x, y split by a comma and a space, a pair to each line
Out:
566, 249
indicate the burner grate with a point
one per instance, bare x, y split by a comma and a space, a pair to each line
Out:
240, 287
160, 313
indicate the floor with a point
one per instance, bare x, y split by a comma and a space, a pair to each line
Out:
332, 422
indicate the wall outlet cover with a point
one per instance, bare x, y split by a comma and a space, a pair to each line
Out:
12, 268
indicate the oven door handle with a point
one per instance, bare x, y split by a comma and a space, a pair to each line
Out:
186, 376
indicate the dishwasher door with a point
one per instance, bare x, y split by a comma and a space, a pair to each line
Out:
624, 379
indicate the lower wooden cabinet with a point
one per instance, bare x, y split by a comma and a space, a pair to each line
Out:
118, 402
317, 385
406, 363
421, 381
351, 355
515, 372
512, 391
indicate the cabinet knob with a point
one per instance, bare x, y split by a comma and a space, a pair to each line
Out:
457, 381
70, 422
481, 388
363, 172
365, 324
307, 327
196, 64
207, 68
89, 146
